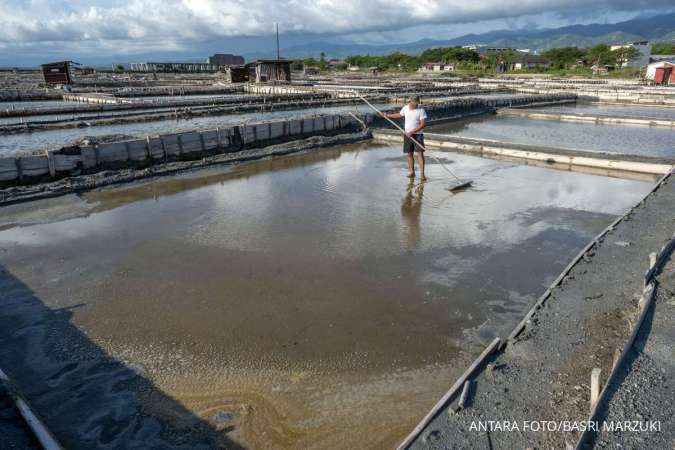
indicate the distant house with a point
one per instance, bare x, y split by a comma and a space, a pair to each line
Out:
269, 71
225, 59
602, 69
60, 72
525, 61
661, 72
578, 63
644, 49
436, 67
335, 63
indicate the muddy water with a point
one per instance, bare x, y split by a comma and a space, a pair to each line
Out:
312, 301
41, 140
626, 139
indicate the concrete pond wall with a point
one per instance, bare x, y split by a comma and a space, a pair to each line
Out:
142, 152
166, 147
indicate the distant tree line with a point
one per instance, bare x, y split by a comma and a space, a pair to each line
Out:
663, 48
470, 60
601, 54
402, 61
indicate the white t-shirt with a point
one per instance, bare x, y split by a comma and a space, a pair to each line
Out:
413, 117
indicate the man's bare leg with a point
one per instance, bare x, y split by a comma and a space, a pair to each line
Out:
420, 162
411, 166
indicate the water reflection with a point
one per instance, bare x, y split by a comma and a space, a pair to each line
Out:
411, 210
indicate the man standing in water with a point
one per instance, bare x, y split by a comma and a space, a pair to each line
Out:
415, 121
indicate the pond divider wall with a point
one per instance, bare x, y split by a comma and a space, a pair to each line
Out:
189, 145
550, 155
150, 150
587, 118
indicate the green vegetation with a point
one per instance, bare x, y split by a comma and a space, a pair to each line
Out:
449, 55
565, 61
572, 57
394, 61
399, 61
564, 57
663, 48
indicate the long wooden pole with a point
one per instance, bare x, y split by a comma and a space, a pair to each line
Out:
44, 437
405, 135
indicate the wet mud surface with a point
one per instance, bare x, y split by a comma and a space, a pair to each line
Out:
308, 301
622, 139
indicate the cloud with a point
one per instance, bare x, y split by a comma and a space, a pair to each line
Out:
185, 21
102, 31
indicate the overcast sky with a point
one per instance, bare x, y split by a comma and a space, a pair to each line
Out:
32, 30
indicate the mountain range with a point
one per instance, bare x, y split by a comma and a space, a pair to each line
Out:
658, 28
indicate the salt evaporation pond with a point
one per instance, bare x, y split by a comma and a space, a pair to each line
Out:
624, 139
310, 301
654, 112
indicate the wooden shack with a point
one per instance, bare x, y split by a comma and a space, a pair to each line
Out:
269, 71
58, 72
237, 74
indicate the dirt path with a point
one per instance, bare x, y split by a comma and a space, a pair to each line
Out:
544, 376
644, 389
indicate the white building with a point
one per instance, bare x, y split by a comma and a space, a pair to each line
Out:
436, 67
643, 47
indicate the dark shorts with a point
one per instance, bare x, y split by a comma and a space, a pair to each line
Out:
410, 143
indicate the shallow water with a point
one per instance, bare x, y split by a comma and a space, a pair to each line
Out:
42, 140
490, 96
73, 115
36, 104
612, 110
172, 98
626, 139
311, 301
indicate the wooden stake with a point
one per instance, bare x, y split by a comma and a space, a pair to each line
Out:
465, 394
451, 392
617, 356
595, 386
